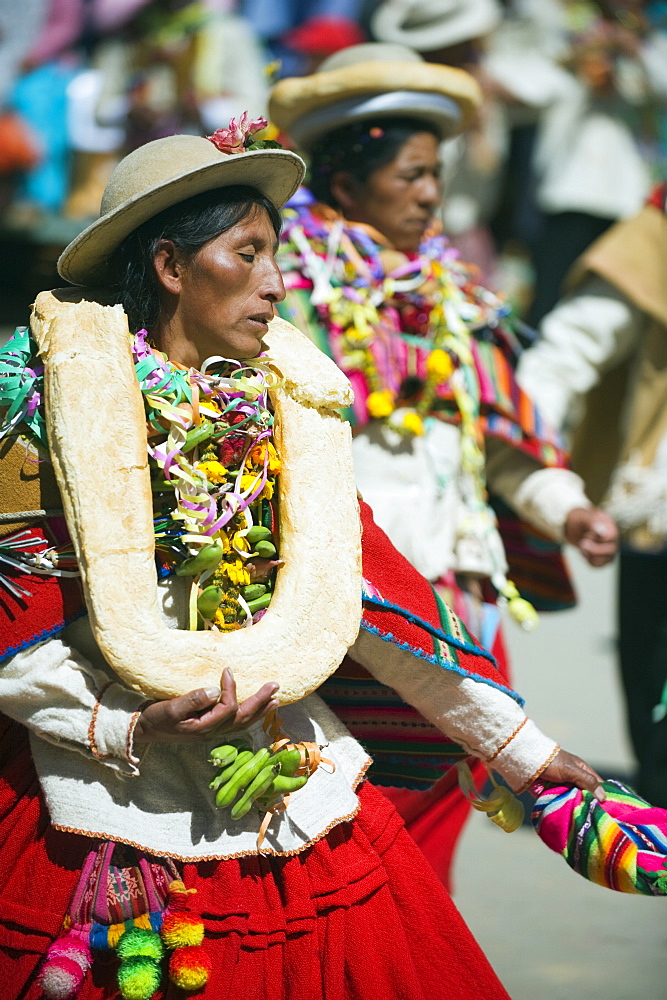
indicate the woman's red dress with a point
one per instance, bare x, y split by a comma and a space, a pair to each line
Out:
358, 916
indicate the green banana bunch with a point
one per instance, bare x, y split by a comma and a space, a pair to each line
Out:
248, 778
224, 776
241, 778
258, 787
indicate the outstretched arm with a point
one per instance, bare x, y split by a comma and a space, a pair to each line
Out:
552, 500
488, 723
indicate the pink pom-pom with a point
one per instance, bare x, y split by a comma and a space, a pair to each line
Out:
70, 948
61, 978
67, 961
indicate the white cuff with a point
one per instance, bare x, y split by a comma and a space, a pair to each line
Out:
547, 496
524, 756
112, 724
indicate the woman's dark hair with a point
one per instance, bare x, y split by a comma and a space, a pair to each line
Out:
359, 149
190, 225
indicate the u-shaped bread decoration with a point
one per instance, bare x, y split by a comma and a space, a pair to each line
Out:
97, 435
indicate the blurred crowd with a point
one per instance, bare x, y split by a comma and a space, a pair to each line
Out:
572, 135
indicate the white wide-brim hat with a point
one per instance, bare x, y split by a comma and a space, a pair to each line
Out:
161, 174
427, 25
373, 81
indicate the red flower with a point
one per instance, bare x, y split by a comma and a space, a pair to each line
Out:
234, 138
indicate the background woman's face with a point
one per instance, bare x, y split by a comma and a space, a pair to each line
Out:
226, 294
400, 198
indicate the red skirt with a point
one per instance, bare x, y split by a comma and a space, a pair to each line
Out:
358, 916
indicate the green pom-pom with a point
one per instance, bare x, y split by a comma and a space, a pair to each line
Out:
138, 978
140, 941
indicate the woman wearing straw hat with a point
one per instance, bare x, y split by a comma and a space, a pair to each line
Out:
161, 827
437, 413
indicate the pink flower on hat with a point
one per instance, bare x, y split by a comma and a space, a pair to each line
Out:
234, 139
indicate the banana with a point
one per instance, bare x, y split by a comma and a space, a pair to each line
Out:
258, 533
208, 601
241, 778
241, 760
280, 786
289, 761
224, 755
265, 549
255, 790
207, 558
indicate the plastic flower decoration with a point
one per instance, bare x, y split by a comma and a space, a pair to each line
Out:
238, 136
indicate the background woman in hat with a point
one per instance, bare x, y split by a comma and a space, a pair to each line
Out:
438, 416
89, 764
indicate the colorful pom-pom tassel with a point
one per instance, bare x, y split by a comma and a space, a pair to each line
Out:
189, 968
138, 978
138, 941
140, 951
67, 961
182, 929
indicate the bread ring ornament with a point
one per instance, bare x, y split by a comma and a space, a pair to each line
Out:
94, 403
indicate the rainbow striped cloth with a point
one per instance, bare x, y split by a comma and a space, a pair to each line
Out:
620, 843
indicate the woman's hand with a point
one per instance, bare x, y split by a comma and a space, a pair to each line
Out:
203, 713
594, 533
566, 769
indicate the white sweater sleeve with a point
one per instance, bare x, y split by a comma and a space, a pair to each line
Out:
62, 698
487, 722
542, 497
585, 335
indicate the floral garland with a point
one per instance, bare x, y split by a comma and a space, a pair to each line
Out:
373, 302
213, 474
439, 305
430, 300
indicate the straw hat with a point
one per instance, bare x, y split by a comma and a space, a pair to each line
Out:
161, 174
371, 81
434, 24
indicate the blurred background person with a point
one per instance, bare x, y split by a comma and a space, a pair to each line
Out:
39, 96
19, 147
437, 414
594, 75
456, 33
599, 370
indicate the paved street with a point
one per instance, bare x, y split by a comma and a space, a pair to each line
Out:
549, 933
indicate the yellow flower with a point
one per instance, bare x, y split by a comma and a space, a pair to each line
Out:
236, 573
267, 492
380, 403
274, 461
250, 482
258, 454
215, 472
439, 365
413, 424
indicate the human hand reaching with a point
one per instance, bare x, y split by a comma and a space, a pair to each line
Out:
567, 769
594, 533
203, 713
